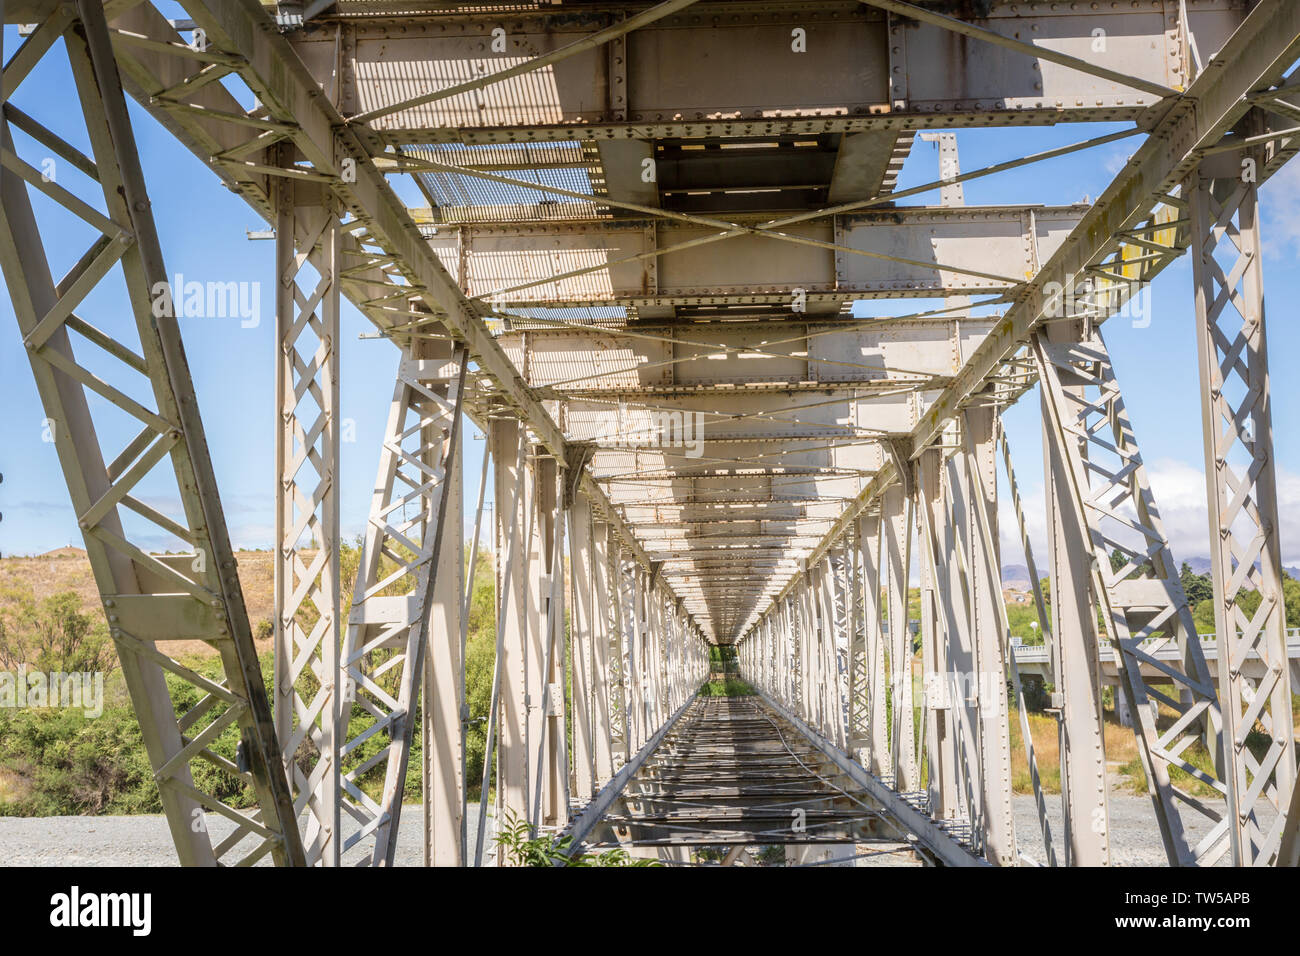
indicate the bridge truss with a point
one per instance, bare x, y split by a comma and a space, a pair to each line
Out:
643, 233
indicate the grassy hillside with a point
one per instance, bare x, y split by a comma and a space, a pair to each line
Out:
66, 571
61, 762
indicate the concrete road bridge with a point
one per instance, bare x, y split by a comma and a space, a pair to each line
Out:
642, 233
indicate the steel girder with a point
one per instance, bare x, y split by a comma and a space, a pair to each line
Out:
307, 586
1100, 487
647, 363
443, 709
710, 71
1241, 484
149, 598
978, 484
1136, 250
903, 252
387, 638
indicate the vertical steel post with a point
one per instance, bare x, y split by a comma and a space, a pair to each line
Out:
937, 714
514, 518
896, 518
988, 619
307, 627
582, 639
602, 665
442, 742
1241, 488
1074, 629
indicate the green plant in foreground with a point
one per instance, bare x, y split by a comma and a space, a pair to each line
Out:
523, 850
726, 688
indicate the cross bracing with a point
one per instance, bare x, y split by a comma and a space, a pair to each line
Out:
643, 233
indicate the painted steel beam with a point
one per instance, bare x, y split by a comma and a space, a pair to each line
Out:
649, 361
708, 72
1241, 486
307, 584
903, 252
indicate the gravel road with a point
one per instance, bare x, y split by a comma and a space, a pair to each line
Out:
145, 841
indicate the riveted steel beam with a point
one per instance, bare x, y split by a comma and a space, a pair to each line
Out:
856, 70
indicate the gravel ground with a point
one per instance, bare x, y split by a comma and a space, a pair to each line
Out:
145, 841
1134, 837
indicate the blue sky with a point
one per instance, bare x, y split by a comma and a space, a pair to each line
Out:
202, 227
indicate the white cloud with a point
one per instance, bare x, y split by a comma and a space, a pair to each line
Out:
1116, 161
1280, 208
1179, 491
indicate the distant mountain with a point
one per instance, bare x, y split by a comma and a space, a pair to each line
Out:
1015, 576
1202, 566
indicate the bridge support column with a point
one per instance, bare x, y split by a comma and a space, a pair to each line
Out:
938, 715
626, 578
896, 519
582, 640
1134, 578
1241, 486
514, 515
1074, 630
387, 636
867, 733
443, 729
642, 671
807, 640
842, 565
874, 677
307, 673
548, 752
823, 607
620, 724
979, 426
602, 669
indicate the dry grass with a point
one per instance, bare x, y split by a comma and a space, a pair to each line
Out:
1047, 754
1121, 752
67, 569
13, 787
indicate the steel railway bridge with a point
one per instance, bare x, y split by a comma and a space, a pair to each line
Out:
642, 232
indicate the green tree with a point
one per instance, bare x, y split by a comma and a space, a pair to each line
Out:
1197, 587
1203, 617
1118, 559
53, 634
